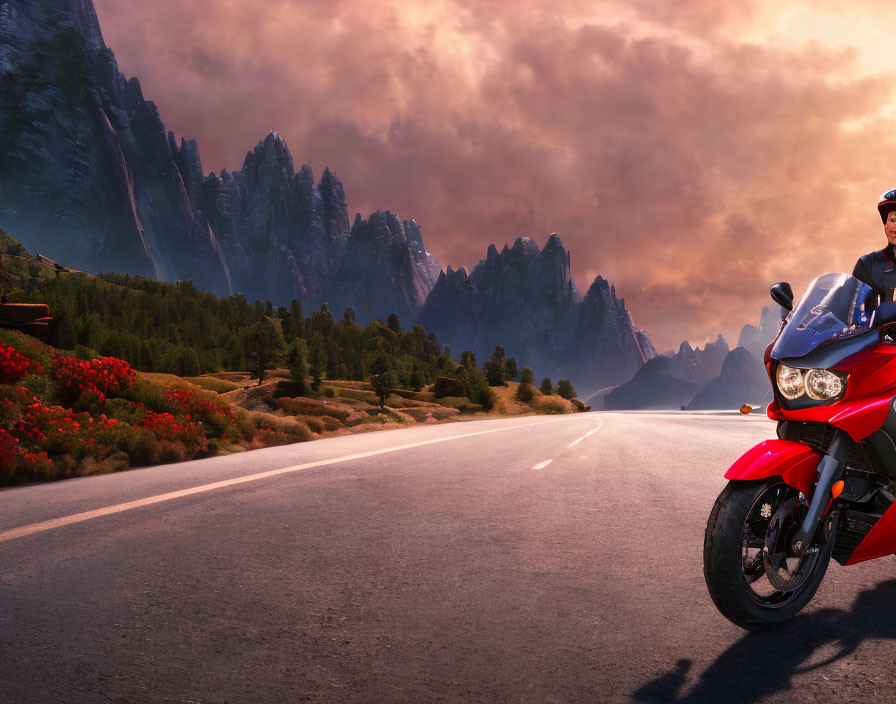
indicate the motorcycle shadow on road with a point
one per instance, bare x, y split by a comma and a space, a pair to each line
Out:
761, 664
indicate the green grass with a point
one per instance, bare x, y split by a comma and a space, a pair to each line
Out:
210, 383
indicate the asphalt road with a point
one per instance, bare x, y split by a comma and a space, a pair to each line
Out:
540, 559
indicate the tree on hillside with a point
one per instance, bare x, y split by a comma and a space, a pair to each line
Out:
349, 317
382, 377
565, 389
323, 321
393, 324
416, 380
496, 367
264, 341
297, 361
528, 376
511, 368
547, 388
478, 390
317, 356
468, 359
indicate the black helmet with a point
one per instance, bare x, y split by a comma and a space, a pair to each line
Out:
886, 203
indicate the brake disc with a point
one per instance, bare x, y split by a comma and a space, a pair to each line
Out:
785, 572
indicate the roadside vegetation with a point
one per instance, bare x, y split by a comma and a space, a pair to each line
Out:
139, 372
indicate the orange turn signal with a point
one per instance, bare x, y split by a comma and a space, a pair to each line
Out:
837, 489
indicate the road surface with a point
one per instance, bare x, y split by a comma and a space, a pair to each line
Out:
538, 559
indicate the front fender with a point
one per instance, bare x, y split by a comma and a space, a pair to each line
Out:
793, 461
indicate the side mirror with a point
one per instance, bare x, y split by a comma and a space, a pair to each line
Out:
782, 294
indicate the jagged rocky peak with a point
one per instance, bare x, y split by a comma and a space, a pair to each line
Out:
523, 248
427, 264
552, 269
381, 225
186, 157
332, 194
712, 356
600, 289
756, 338
268, 164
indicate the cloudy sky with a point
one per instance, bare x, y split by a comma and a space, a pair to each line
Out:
691, 152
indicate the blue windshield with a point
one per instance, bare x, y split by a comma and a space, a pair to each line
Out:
832, 308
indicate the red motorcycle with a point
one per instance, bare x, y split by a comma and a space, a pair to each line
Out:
825, 487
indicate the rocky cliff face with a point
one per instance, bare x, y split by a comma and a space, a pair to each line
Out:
712, 356
741, 380
89, 176
379, 274
86, 172
282, 235
755, 338
525, 300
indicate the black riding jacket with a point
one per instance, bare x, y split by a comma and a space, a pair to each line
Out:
878, 270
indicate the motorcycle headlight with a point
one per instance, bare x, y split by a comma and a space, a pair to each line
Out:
790, 382
823, 385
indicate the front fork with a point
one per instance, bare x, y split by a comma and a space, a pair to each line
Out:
830, 469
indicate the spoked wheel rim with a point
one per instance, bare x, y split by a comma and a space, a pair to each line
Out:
774, 579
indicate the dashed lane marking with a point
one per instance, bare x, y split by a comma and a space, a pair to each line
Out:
542, 465
590, 432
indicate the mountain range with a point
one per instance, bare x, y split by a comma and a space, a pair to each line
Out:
694, 379
90, 177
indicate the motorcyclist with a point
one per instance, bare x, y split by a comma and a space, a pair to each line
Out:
878, 269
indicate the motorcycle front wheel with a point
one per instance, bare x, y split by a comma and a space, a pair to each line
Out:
751, 577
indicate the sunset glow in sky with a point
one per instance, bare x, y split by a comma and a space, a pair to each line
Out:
692, 154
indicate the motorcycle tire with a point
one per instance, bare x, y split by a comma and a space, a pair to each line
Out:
724, 549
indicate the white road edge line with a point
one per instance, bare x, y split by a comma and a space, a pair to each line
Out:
22, 531
542, 465
590, 432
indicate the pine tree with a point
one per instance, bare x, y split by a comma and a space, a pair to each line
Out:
547, 388
297, 362
416, 380
511, 368
263, 340
393, 324
565, 389
496, 368
382, 377
528, 376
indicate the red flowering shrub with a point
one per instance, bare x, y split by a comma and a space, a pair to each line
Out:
199, 407
8, 454
59, 431
17, 462
166, 427
14, 366
219, 420
97, 377
268, 435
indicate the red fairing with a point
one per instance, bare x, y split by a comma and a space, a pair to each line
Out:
880, 541
793, 461
870, 387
